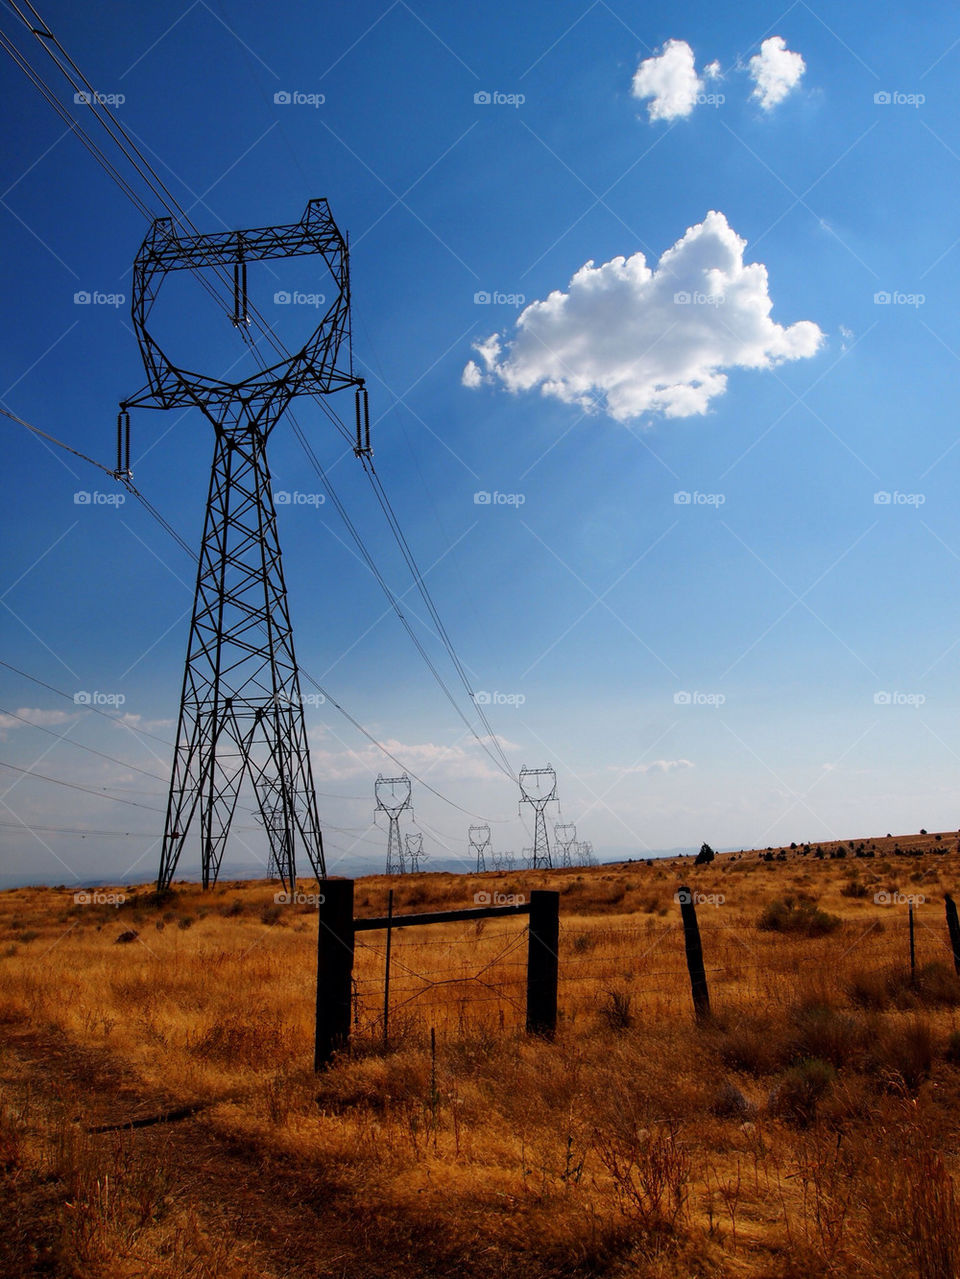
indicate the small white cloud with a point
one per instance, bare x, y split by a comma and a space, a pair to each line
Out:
629, 340
775, 70
713, 71
655, 766
128, 720
34, 716
670, 80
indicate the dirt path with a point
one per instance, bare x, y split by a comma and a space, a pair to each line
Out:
289, 1219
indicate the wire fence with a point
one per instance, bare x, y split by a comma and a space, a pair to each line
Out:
461, 977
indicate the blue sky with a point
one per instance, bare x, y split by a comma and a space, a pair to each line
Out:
773, 660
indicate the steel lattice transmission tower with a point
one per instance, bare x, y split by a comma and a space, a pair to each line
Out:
241, 712
565, 838
479, 837
393, 798
415, 853
538, 788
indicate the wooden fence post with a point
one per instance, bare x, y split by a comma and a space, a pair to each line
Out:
386, 972
913, 946
543, 962
953, 927
334, 969
694, 949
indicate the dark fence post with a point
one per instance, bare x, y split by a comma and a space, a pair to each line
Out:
953, 927
913, 946
334, 969
386, 972
543, 962
694, 949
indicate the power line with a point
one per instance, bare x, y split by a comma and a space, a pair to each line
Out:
96, 709
80, 745
58, 781
60, 444
128, 147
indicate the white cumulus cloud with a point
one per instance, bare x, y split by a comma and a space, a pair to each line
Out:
775, 70
629, 340
670, 80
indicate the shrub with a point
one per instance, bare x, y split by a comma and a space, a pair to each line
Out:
804, 918
801, 1090
854, 889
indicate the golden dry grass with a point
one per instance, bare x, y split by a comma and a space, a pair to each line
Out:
809, 1127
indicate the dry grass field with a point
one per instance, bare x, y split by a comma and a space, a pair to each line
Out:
159, 1114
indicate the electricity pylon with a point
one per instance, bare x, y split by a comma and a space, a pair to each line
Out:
480, 844
393, 798
538, 788
587, 855
415, 852
565, 838
241, 712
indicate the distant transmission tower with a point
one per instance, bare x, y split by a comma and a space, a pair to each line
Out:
538, 788
415, 853
587, 855
241, 712
480, 844
393, 798
565, 837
